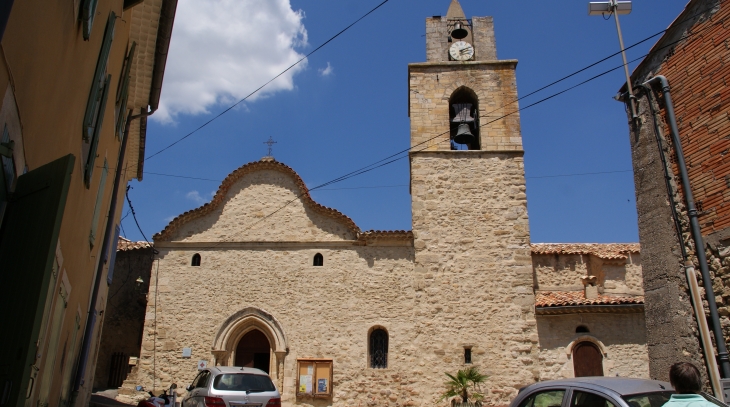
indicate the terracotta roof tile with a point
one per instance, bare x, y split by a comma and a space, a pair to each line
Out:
386, 234
567, 298
126, 244
601, 250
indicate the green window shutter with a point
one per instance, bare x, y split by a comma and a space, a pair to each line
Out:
94, 142
113, 257
87, 12
97, 207
123, 93
27, 252
95, 95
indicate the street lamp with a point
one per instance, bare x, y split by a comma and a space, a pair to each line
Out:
616, 7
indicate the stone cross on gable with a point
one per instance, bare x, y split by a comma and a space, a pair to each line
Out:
271, 143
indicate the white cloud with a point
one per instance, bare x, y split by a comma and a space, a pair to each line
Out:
222, 50
326, 71
195, 197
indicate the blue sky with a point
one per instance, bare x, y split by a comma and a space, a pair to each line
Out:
346, 107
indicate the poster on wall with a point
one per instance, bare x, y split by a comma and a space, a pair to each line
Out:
321, 385
305, 383
314, 378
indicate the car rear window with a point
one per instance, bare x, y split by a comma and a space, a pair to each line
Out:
656, 399
243, 382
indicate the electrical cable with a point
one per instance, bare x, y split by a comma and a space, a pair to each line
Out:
134, 216
391, 158
271, 80
395, 186
371, 11
124, 233
362, 170
383, 162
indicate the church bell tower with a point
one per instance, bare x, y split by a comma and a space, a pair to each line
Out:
473, 264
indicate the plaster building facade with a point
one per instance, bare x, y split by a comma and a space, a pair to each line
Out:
694, 56
77, 79
263, 276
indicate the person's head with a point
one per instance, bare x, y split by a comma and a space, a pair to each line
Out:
685, 378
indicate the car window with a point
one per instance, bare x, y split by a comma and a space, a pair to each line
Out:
203, 379
243, 382
194, 384
548, 398
656, 399
585, 399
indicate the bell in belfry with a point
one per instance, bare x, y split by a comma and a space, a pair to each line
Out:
459, 31
462, 115
463, 135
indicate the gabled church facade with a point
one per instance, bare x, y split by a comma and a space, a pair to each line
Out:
263, 276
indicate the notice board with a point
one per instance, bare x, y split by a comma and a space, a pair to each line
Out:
314, 377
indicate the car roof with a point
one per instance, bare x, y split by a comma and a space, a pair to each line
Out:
237, 369
621, 385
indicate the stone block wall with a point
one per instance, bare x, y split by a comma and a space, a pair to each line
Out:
125, 311
472, 259
325, 312
481, 36
484, 40
619, 336
432, 84
564, 272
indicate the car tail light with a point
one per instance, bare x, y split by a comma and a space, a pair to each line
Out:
215, 402
274, 403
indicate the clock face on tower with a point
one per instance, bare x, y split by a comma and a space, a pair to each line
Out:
461, 51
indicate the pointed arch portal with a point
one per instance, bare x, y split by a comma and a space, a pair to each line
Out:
252, 337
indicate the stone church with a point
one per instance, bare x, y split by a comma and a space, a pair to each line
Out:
344, 317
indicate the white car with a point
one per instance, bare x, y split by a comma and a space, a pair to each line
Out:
230, 386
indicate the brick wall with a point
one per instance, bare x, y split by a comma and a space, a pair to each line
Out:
698, 71
693, 54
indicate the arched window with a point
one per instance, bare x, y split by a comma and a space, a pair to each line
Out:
196, 260
581, 329
464, 119
587, 360
318, 260
378, 349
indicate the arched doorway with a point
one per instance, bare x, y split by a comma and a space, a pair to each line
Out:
587, 360
254, 350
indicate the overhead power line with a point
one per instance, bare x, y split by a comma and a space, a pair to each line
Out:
387, 186
370, 12
271, 80
392, 158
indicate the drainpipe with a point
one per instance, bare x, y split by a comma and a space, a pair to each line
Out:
108, 231
689, 268
722, 354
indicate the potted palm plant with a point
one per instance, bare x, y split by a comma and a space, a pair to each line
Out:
465, 384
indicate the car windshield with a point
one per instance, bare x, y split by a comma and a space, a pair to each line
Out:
243, 382
654, 399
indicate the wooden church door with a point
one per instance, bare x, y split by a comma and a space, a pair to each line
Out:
254, 350
587, 360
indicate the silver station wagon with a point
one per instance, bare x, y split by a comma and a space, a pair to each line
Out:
598, 392
228, 386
